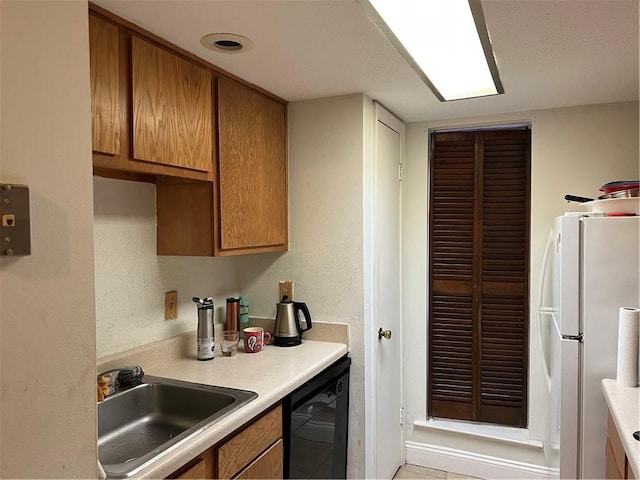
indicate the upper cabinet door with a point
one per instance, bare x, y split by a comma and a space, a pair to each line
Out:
172, 109
252, 169
105, 81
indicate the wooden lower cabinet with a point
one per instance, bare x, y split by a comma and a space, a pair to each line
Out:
255, 451
617, 464
258, 435
200, 467
612, 465
267, 465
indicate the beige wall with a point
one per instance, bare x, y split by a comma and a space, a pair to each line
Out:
574, 150
326, 154
131, 279
47, 330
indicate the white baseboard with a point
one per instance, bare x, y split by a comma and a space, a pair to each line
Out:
473, 464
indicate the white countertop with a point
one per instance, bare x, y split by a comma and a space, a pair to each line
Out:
272, 374
624, 405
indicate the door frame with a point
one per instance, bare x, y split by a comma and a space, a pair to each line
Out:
379, 114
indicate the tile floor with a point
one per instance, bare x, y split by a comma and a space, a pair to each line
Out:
408, 471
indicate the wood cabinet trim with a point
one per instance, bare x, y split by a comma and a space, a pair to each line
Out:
123, 175
248, 250
102, 164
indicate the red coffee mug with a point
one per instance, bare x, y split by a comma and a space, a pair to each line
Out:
255, 338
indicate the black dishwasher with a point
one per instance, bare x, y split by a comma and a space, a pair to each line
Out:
316, 422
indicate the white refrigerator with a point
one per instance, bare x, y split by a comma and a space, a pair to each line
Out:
595, 272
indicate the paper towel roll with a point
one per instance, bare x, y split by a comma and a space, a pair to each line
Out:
628, 338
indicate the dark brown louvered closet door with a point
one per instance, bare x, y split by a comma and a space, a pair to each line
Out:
479, 253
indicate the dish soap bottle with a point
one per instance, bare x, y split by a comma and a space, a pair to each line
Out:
206, 340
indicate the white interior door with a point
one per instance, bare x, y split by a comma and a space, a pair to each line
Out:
387, 353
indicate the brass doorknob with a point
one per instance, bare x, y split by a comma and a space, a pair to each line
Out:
384, 333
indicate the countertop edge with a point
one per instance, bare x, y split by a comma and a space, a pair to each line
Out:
325, 354
624, 405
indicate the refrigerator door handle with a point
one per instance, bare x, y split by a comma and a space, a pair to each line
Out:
543, 346
578, 338
542, 311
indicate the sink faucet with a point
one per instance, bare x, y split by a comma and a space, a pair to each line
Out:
117, 379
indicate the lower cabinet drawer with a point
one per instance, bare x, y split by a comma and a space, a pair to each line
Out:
199, 468
266, 466
244, 447
255, 452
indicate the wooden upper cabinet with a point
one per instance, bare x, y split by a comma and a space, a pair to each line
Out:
252, 170
105, 81
216, 148
172, 109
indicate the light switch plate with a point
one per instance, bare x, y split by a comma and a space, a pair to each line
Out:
15, 224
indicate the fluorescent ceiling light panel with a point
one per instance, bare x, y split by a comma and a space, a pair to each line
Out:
442, 40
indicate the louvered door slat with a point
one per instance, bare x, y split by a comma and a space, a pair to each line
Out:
452, 209
452, 260
479, 225
452, 357
503, 373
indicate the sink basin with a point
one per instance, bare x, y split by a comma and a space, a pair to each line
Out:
137, 424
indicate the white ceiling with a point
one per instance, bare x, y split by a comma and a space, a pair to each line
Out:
550, 53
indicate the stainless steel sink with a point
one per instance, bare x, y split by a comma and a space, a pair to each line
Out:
140, 423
